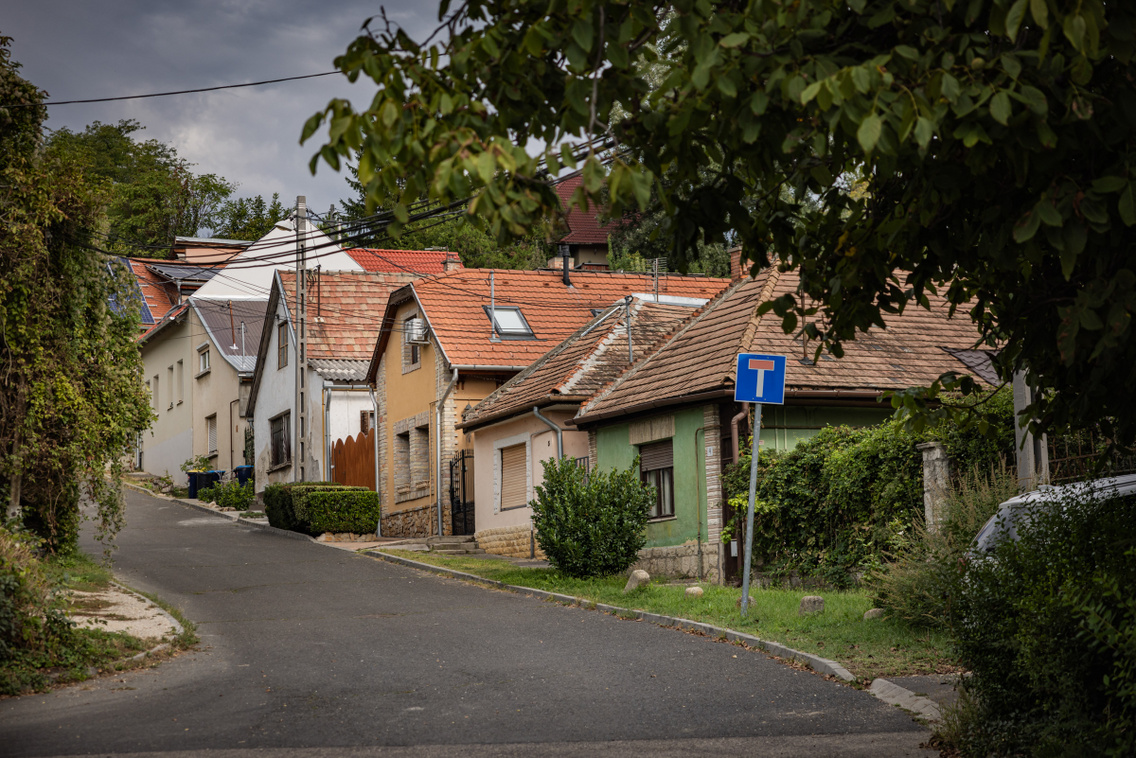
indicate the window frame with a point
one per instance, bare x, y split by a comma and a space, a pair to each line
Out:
502, 334
280, 454
282, 341
662, 479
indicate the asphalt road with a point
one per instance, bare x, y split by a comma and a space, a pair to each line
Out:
311, 651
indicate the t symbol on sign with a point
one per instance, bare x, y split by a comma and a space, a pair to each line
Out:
761, 365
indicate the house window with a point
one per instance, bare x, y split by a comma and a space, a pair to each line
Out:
413, 332
150, 389
170, 384
281, 346
280, 433
157, 395
412, 458
180, 382
656, 468
509, 323
366, 421
514, 479
211, 432
203, 361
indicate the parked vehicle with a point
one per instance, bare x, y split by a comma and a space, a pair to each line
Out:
1020, 510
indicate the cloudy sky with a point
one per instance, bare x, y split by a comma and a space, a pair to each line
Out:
80, 50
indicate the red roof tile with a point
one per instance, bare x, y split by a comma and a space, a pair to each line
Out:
404, 261
577, 367
700, 357
159, 294
345, 309
455, 308
584, 227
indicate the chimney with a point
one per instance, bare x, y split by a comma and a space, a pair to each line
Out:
736, 264
564, 252
452, 262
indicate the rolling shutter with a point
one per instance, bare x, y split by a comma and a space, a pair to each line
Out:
656, 455
211, 425
514, 483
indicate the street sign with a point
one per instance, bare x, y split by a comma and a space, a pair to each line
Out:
761, 379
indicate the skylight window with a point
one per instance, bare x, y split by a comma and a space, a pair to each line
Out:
509, 322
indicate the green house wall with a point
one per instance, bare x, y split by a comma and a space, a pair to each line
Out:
783, 426
614, 450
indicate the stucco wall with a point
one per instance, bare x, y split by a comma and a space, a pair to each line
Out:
169, 441
215, 393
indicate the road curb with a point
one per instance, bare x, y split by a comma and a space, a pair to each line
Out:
893, 694
818, 664
178, 628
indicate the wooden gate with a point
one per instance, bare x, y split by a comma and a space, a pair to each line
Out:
353, 461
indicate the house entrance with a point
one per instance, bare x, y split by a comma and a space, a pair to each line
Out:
461, 492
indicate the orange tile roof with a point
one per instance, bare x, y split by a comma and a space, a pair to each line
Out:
592, 356
455, 309
158, 294
406, 261
345, 309
700, 358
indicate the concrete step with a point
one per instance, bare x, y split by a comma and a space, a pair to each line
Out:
451, 539
457, 550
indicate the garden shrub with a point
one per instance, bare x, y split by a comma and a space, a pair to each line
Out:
1045, 626
232, 495
842, 500
919, 583
287, 505
591, 524
342, 510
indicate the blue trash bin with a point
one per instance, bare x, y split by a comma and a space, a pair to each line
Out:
192, 482
244, 474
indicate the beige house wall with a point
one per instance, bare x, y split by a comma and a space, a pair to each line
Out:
216, 395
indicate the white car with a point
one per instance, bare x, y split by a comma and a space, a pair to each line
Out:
1019, 510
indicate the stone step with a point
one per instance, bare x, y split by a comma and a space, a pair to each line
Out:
457, 550
451, 539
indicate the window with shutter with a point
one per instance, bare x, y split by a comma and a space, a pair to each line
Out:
211, 427
514, 482
656, 468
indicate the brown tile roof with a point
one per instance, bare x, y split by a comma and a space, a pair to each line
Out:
455, 308
158, 293
700, 358
406, 261
592, 356
345, 309
584, 227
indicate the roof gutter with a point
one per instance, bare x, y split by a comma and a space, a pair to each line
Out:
592, 418
543, 402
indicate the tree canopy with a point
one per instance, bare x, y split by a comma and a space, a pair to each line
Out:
993, 140
71, 400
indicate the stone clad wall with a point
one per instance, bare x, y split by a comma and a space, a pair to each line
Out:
510, 541
416, 522
679, 561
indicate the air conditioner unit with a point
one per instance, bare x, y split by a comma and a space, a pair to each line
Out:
414, 331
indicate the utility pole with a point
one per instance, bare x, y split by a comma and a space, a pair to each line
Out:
301, 448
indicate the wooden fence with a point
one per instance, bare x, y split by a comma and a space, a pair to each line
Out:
353, 460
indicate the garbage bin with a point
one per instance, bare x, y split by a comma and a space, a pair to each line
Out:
244, 474
208, 478
193, 482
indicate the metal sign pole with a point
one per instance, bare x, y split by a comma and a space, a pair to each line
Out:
749, 512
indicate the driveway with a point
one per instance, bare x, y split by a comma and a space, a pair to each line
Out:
312, 651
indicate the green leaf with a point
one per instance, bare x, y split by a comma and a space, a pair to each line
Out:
1108, 184
583, 33
1026, 227
1000, 108
388, 114
1035, 100
737, 39
1048, 213
1039, 9
810, 92
1128, 206
907, 52
1012, 65
1014, 19
1075, 235
869, 132
924, 130
1074, 28
486, 167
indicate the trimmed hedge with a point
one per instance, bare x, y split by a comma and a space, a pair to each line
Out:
342, 510
289, 506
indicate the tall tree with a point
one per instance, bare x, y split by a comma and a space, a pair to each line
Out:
248, 218
71, 396
995, 141
155, 195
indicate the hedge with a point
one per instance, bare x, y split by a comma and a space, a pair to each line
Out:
289, 506
342, 510
840, 501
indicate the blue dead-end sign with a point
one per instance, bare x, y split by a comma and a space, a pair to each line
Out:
761, 379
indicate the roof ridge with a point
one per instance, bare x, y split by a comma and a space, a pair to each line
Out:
659, 346
750, 332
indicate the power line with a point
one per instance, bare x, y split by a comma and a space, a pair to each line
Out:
174, 92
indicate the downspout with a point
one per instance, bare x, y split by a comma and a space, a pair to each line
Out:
438, 443
231, 459
326, 437
552, 425
375, 426
700, 491
734, 430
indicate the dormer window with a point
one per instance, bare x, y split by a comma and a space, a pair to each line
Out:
509, 323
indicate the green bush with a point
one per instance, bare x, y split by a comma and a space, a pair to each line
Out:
208, 494
1046, 628
287, 505
591, 524
342, 510
233, 495
919, 584
843, 499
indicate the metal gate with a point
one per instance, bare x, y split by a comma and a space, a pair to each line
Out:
461, 492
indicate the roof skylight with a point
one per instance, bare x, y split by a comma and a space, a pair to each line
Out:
509, 322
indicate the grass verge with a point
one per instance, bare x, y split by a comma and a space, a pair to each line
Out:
868, 649
70, 653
